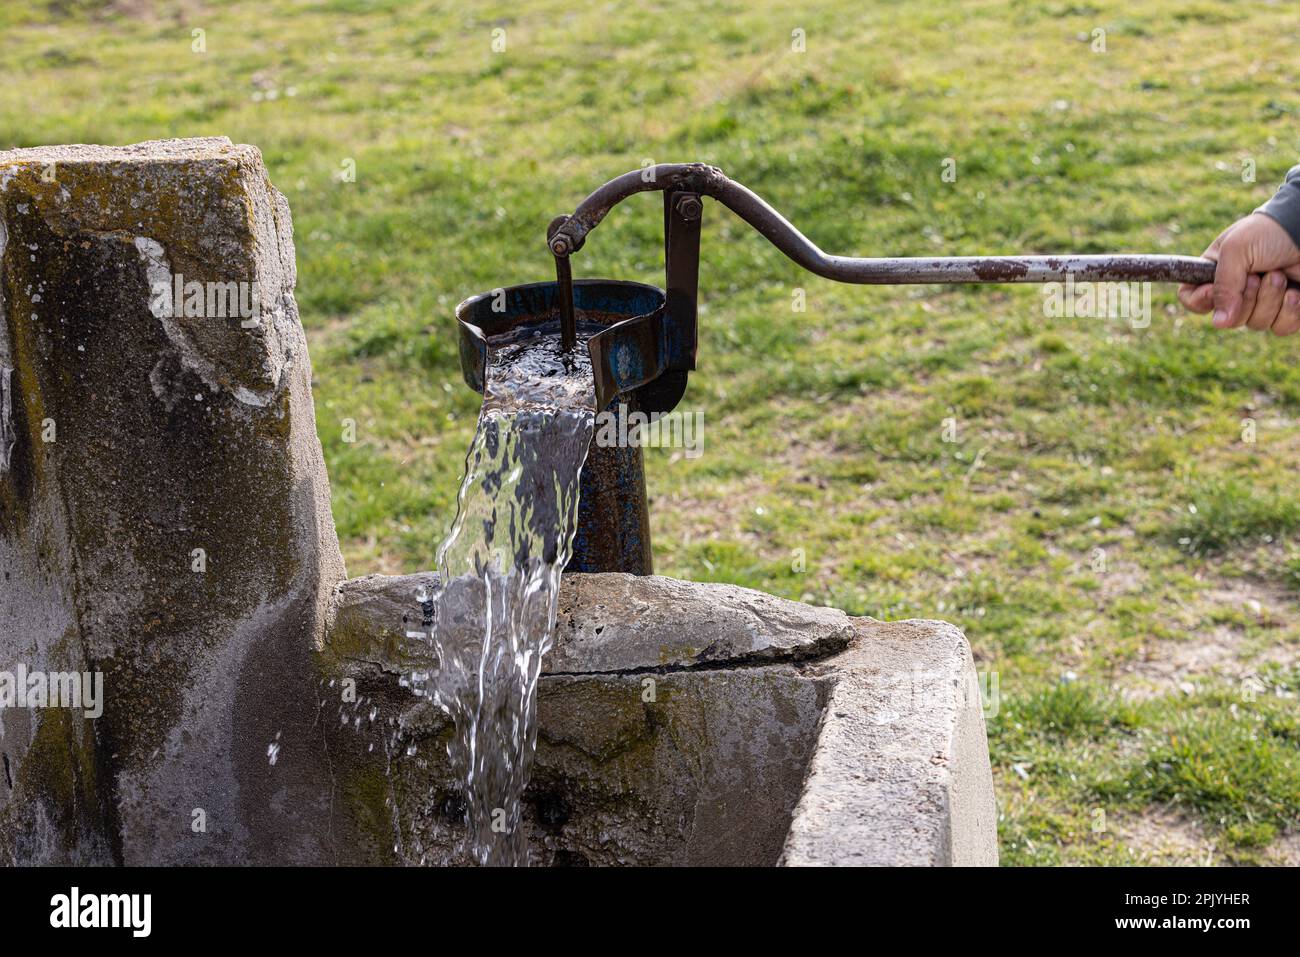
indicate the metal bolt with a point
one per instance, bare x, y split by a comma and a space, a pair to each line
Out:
689, 207
560, 245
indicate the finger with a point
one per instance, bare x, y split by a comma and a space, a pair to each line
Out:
1248, 295
1268, 301
1288, 319
1196, 298
1230, 281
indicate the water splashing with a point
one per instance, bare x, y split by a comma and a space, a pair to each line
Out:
494, 613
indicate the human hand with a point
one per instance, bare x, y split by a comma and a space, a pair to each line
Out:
1256, 257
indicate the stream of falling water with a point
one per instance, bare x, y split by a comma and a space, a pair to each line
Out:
499, 570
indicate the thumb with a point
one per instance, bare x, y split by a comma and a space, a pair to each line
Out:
1229, 284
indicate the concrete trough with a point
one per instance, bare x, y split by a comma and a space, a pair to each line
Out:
686, 724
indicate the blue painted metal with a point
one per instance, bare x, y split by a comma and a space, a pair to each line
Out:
613, 532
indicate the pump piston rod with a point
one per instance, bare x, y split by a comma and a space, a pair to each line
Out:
568, 234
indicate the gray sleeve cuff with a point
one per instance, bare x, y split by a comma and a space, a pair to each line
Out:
1285, 205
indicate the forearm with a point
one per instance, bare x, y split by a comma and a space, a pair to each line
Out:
1285, 205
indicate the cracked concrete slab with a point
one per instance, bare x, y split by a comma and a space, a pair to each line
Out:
612, 623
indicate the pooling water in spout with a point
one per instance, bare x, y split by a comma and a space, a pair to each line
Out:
499, 568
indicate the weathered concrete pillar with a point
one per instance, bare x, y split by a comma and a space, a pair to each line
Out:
164, 511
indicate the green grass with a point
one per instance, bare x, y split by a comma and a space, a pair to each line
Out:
943, 452
1237, 770
1082, 761
1231, 513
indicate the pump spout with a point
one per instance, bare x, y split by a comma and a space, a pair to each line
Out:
613, 533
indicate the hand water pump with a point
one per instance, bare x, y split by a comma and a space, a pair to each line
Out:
645, 348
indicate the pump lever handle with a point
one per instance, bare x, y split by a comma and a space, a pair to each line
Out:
567, 236
653, 354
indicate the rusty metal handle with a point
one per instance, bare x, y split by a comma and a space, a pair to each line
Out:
570, 234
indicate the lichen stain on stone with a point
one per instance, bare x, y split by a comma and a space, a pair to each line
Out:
365, 790
8, 436
24, 411
201, 211
56, 784
600, 719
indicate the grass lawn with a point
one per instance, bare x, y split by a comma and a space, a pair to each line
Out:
1107, 511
